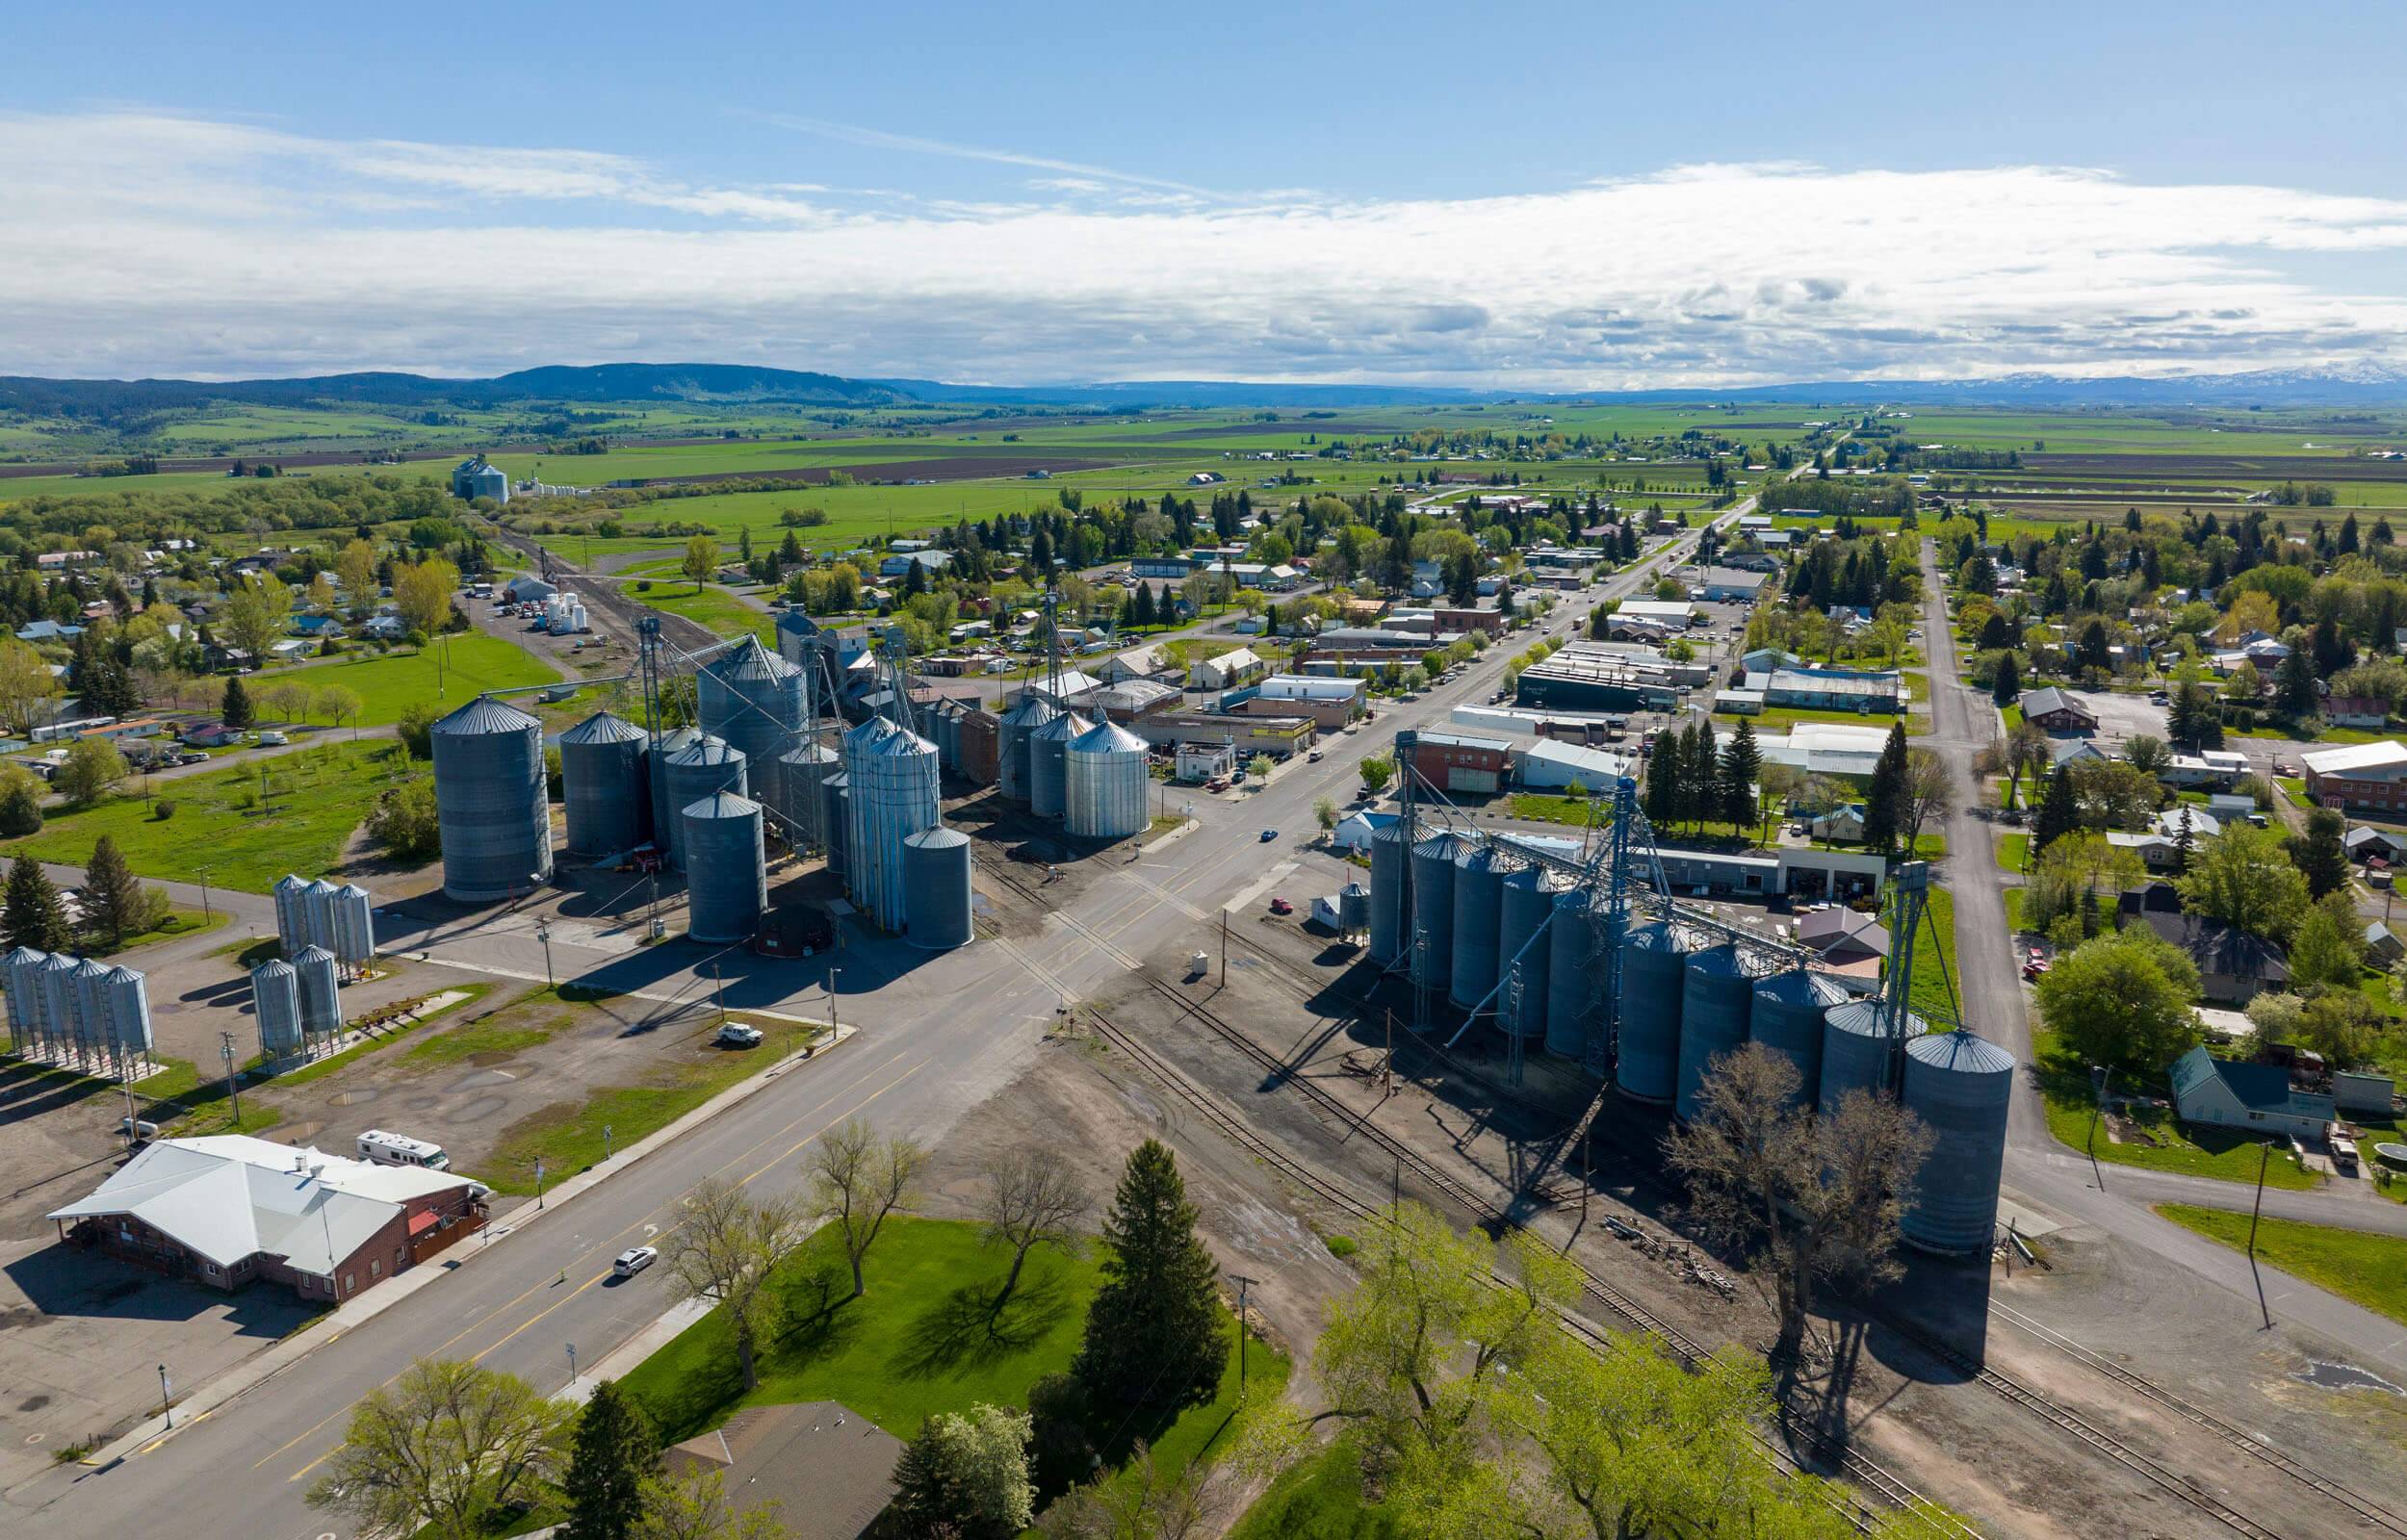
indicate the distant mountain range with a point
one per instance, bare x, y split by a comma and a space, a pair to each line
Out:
733, 384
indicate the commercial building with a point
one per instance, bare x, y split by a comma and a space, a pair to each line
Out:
1677, 613
1830, 689
2254, 1099
229, 1210
1127, 700
1457, 763
1228, 671
1278, 736
1549, 766
1330, 703
1824, 747
2363, 774
2052, 710
1601, 676
1738, 584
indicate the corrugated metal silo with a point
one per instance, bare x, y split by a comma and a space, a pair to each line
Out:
936, 886
291, 912
727, 883
1432, 940
1654, 984
1105, 783
1788, 1020
1479, 873
1526, 935
489, 797
20, 976
92, 1006
752, 697
665, 746
320, 904
1387, 918
59, 1007
129, 1012
803, 770
836, 819
704, 766
606, 781
1958, 1084
1575, 999
1031, 712
1856, 1050
1715, 1000
355, 927
276, 996
1049, 753
320, 992
1354, 909
894, 796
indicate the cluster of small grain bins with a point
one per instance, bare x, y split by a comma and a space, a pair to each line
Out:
75, 1010
1091, 775
328, 933
1491, 928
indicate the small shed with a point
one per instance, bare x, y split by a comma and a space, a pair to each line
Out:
2383, 947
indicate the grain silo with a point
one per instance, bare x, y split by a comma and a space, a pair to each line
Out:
836, 819
20, 976
1388, 866
1857, 1050
1958, 1084
92, 1007
1575, 988
128, 998
752, 699
319, 902
320, 992
1049, 753
1031, 712
704, 766
355, 927
1525, 941
1354, 909
936, 889
894, 796
1479, 873
1654, 981
59, 1007
1105, 783
1788, 1018
1715, 1000
1432, 940
803, 770
275, 998
291, 912
727, 884
489, 797
605, 782
663, 747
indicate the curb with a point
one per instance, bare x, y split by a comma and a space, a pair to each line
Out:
215, 1393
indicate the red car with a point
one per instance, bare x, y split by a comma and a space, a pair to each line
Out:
1280, 906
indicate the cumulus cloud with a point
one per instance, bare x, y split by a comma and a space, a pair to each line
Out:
154, 243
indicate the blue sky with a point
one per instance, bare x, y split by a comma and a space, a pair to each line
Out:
1550, 196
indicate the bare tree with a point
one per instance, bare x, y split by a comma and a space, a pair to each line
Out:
2027, 754
1924, 795
1808, 1201
857, 1180
1029, 1197
723, 1251
441, 1449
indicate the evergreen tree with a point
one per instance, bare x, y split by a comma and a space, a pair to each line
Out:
2007, 688
21, 806
1742, 765
2319, 853
614, 1451
1704, 773
1153, 1334
31, 915
2295, 685
113, 895
2059, 810
1663, 780
235, 709
1883, 798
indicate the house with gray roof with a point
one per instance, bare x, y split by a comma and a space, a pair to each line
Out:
2250, 1098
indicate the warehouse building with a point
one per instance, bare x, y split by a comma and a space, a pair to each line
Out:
1278, 736
1330, 703
1830, 689
1457, 763
1601, 676
2363, 774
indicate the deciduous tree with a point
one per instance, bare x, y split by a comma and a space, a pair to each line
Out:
858, 1180
441, 1450
723, 1250
2245, 878
1030, 1199
2122, 999
422, 594
92, 766
967, 1477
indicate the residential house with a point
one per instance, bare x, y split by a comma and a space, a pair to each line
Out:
1138, 663
2356, 711
1228, 671
2383, 947
2057, 711
2361, 775
2233, 965
819, 1470
2254, 1099
47, 630
1842, 825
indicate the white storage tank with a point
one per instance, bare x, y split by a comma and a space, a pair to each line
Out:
129, 1012
936, 873
894, 796
321, 900
490, 802
92, 1007
61, 1010
1105, 783
606, 783
291, 912
727, 877
275, 998
320, 992
1958, 1084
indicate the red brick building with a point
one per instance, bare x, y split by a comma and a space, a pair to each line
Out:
1454, 761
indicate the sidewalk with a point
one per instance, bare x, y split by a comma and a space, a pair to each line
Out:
362, 1309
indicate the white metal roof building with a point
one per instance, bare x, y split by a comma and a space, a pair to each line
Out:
1824, 747
1546, 765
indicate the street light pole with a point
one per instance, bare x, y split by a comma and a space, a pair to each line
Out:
233, 1089
538, 1181
831, 973
543, 933
2264, 1153
1243, 1283
572, 1365
166, 1402
2099, 1078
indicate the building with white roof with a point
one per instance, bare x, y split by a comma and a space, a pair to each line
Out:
2361, 775
229, 1210
1546, 765
1824, 747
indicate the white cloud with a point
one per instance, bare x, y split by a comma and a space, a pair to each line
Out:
152, 244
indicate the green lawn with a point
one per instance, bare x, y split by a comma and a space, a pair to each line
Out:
926, 1338
2293, 788
1934, 945
1319, 1497
1576, 811
2014, 853
2369, 1269
317, 797
194, 1105
466, 665
2014, 910
179, 923
2229, 1157
712, 607
1779, 718
2013, 715
2330, 735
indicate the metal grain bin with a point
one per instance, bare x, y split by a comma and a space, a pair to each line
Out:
291, 912
489, 798
355, 927
20, 976
606, 781
1031, 712
1049, 750
1575, 983
1958, 1084
92, 1006
59, 1007
1354, 909
276, 996
1525, 938
1654, 984
727, 883
1479, 873
1788, 1018
804, 771
1715, 1000
936, 885
1388, 858
320, 904
129, 1012
836, 819
1856, 1050
700, 768
894, 796
320, 992
1105, 783
752, 699
665, 746
1432, 940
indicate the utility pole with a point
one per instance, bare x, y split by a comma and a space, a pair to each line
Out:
2264, 1153
233, 1090
719, 987
538, 1181
572, 1365
2100, 1076
1387, 1075
1224, 946
203, 873
1243, 1283
543, 933
832, 972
